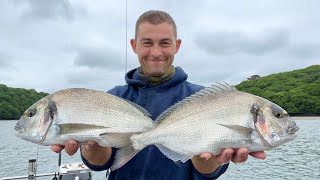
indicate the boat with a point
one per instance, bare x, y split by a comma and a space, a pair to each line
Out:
74, 171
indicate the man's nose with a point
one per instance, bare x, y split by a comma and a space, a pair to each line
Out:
155, 51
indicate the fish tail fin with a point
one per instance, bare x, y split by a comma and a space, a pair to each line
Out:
123, 155
127, 152
138, 141
115, 139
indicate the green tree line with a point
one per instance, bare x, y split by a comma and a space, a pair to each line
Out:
14, 101
296, 91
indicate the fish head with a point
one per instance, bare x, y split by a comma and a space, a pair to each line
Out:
36, 121
273, 124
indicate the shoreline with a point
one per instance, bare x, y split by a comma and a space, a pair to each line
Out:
293, 117
305, 117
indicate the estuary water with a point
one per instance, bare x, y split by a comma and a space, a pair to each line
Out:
298, 159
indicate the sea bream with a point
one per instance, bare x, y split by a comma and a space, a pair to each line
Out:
215, 118
82, 115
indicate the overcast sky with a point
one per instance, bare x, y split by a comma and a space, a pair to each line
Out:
49, 45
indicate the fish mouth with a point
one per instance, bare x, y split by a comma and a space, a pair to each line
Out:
19, 128
292, 130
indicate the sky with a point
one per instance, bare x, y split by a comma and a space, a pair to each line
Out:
48, 45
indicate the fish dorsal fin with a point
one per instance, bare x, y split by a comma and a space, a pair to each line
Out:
141, 109
213, 90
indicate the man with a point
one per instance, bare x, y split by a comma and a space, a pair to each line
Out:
156, 85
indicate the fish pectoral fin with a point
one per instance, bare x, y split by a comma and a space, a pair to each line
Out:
66, 128
238, 128
79, 126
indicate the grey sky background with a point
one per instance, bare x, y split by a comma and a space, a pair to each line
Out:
49, 45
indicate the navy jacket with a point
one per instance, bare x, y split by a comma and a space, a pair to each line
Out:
150, 163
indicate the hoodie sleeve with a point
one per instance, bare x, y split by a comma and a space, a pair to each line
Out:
215, 175
106, 166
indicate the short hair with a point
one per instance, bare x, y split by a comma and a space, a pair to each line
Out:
155, 17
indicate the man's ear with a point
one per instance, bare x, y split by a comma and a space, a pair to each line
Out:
133, 45
178, 43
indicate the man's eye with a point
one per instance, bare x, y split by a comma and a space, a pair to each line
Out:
147, 43
165, 44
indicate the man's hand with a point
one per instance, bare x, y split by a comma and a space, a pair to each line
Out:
95, 154
237, 156
71, 147
207, 163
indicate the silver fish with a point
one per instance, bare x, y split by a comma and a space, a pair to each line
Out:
82, 115
215, 118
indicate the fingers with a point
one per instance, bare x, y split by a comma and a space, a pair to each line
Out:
235, 155
92, 146
71, 147
240, 156
225, 156
56, 148
258, 155
206, 155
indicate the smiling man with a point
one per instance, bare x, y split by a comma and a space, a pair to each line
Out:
155, 44
156, 85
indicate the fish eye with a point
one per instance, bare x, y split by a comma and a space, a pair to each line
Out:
31, 113
278, 115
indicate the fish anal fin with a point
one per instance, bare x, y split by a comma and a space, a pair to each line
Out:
175, 156
123, 155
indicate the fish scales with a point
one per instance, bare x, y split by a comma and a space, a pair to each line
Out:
216, 118
82, 114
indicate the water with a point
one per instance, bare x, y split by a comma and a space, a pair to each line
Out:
15, 154
299, 159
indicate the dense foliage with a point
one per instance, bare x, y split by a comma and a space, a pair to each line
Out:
296, 91
14, 101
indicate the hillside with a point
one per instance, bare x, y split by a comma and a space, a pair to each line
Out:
296, 91
14, 101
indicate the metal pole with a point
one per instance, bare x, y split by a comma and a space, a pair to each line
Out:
32, 169
59, 164
59, 160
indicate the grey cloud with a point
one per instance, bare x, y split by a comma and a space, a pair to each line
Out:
97, 79
48, 9
82, 78
226, 43
4, 61
303, 51
98, 58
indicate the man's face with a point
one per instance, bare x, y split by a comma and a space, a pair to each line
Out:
155, 46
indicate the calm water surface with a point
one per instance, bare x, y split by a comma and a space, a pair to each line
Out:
299, 159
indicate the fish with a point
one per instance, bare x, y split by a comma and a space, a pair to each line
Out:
83, 115
216, 118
